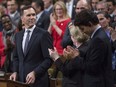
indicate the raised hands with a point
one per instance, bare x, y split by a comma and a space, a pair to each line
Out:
52, 19
70, 52
53, 54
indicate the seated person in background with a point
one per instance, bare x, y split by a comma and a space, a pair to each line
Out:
71, 77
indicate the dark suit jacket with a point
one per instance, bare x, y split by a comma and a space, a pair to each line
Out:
71, 76
114, 44
43, 21
73, 11
97, 64
36, 58
67, 37
1, 26
50, 11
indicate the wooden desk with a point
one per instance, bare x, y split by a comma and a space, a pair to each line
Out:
9, 83
55, 82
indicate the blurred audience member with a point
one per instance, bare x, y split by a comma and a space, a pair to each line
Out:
2, 12
9, 31
48, 6
93, 4
42, 19
59, 20
111, 7
102, 6
12, 7
24, 3
70, 5
104, 21
81, 5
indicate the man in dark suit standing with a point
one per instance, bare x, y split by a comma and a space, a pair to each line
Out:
42, 19
97, 64
31, 57
12, 7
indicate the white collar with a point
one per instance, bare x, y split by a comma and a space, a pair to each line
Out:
38, 15
31, 29
97, 28
48, 9
12, 15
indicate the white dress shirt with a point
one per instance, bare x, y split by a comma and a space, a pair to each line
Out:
69, 6
98, 27
25, 34
38, 15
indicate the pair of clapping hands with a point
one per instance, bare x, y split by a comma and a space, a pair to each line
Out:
68, 53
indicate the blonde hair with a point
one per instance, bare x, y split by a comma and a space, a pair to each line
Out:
78, 34
63, 6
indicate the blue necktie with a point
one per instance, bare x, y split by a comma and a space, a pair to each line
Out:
26, 41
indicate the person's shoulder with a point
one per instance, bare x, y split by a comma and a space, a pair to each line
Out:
40, 30
19, 32
45, 14
103, 34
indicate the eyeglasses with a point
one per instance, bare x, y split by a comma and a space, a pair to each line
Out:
81, 8
58, 9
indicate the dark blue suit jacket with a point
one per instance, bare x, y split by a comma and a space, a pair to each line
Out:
72, 77
43, 21
97, 63
36, 59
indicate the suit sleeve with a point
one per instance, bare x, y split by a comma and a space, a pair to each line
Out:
94, 59
46, 42
15, 57
67, 67
46, 22
66, 38
114, 44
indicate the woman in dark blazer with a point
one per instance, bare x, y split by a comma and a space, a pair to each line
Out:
71, 77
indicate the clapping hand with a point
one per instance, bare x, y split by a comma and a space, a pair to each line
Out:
52, 19
53, 54
70, 52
